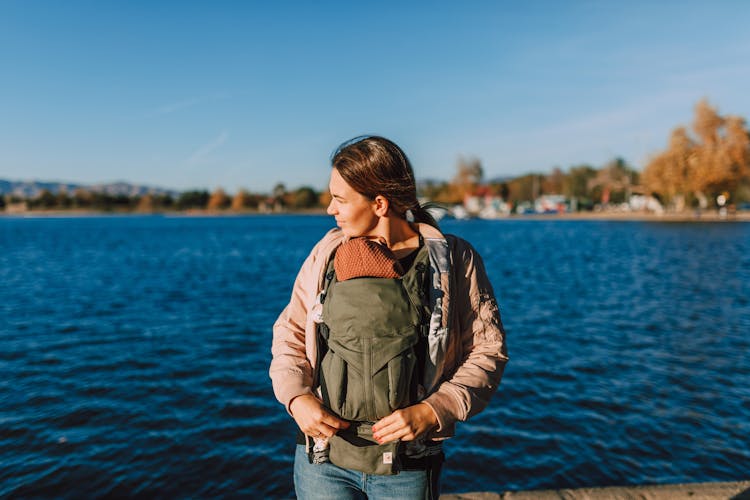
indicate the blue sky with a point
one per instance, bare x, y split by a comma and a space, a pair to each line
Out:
248, 94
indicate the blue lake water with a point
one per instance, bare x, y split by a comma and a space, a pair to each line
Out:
134, 354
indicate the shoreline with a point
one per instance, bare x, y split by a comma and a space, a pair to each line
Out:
707, 216
733, 490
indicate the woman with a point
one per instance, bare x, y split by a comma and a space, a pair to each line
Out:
392, 334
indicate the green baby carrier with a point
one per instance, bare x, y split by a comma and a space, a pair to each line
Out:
372, 329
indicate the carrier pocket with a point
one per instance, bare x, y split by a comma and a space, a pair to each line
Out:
392, 371
354, 448
400, 374
343, 381
334, 381
367, 379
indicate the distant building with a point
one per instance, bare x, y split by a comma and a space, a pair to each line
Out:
639, 202
550, 204
485, 205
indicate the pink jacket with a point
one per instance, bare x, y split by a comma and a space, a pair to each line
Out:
466, 343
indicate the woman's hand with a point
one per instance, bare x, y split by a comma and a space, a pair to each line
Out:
312, 417
406, 424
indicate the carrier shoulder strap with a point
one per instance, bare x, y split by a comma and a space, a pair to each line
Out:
322, 331
328, 277
415, 285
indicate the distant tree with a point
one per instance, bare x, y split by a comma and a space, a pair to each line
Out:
163, 201
218, 200
82, 198
470, 171
577, 181
109, 203
447, 193
469, 175
243, 200
722, 160
62, 200
742, 193
524, 188
279, 196
146, 203
500, 189
553, 183
669, 173
192, 199
707, 124
324, 199
430, 189
45, 200
504, 190
716, 161
304, 197
612, 183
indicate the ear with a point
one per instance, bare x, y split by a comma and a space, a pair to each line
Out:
380, 205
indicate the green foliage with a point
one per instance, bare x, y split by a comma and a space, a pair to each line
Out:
577, 181
524, 188
304, 197
110, 203
431, 189
192, 199
244, 200
45, 200
583, 182
62, 200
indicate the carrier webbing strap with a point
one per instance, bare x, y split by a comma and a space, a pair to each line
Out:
321, 337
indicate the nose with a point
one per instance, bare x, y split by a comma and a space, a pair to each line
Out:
331, 210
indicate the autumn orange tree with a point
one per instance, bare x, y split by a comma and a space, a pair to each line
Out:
715, 160
469, 174
613, 182
243, 200
219, 200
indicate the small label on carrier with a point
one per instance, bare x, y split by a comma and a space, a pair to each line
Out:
388, 457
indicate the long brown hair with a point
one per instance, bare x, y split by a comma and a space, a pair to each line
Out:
372, 166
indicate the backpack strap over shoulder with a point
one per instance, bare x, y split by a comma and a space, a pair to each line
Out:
328, 276
415, 285
321, 330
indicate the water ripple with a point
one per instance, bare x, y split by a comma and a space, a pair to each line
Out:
134, 354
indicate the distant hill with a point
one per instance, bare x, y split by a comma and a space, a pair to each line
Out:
30, 189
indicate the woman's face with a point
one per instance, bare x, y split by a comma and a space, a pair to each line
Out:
354, 213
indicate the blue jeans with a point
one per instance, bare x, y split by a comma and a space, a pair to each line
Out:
328, 481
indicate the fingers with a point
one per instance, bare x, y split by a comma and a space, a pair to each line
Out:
385, 424
313, 419
402, 434
324, 430
395, 426
394, 421
405, 424
333, 421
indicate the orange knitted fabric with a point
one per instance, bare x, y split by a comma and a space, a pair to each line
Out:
361, 257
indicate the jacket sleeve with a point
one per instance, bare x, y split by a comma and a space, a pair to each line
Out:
291, 371
483, 351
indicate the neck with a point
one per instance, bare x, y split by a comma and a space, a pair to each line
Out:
397, 233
